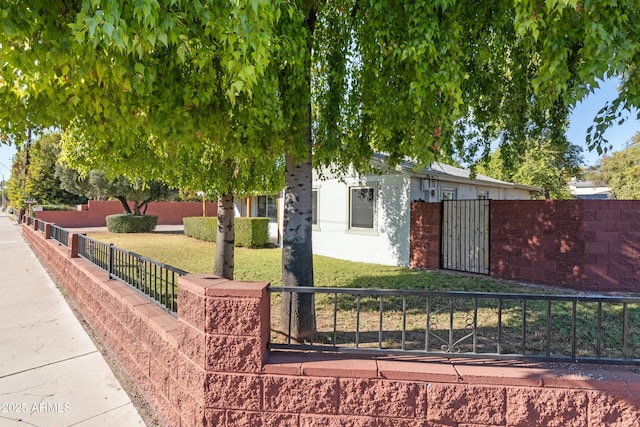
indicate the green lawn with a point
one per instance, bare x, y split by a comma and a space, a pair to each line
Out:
196, 256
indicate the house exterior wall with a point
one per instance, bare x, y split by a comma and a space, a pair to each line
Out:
470, 191
388, 244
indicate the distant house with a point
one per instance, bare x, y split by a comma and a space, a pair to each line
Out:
590, 190
366, 217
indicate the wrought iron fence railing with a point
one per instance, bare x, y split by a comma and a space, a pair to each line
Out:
60, 235
155, 279
570, 328
41, 226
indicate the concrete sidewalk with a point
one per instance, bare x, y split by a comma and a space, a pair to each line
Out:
51, 373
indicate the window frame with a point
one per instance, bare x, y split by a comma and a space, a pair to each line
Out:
374, 206
266, 197
315, 209
449, 190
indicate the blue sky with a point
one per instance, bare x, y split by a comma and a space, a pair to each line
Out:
581, 119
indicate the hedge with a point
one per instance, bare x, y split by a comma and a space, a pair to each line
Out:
249, 232
57, 208
252, 232
201, 227
127, 223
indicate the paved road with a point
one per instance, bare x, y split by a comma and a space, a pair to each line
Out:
51, 373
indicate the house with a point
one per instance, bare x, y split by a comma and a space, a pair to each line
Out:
590, 190
366, 217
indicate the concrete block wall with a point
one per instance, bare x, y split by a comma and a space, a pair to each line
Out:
424, 238
612, 244
93, 214
591, 245
210, 366
537, 241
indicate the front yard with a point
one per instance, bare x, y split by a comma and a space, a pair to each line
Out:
197, 256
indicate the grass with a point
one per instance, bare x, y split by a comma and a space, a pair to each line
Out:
197, 256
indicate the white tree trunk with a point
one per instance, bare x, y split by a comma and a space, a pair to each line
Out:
297, 311
225, 238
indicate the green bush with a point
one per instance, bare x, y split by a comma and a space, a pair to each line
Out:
249, 232
56, 208
127, 223
200, 227
252, 232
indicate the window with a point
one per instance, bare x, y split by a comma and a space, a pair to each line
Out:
268, 207
483, 195
362, 208
448, 194
314, 208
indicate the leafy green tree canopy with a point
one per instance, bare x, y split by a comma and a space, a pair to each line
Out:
542, 165
407, 78
33, 175
621, 170
97, 185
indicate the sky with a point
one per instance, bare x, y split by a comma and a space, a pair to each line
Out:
581, 118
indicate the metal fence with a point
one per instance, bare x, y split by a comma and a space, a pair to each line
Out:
60, 235
569, 328
41, 225
157, 280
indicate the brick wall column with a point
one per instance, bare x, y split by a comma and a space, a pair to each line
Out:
73, 243
47, 231
223, 332
424, 237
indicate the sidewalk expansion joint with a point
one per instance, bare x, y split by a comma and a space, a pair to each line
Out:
48, 364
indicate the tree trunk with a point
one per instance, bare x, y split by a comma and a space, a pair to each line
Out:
225, 238
125, 204
298, 318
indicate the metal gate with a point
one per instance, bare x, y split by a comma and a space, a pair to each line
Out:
465, 236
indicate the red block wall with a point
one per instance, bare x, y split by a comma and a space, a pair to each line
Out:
424, 239
210, 366
538, 241
93, 214
591, 245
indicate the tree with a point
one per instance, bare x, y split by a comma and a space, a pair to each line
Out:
541, 165
621, 170
97, 185
324, 83
35, 178
225, 176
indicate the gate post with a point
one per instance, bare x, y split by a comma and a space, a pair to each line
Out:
424, 239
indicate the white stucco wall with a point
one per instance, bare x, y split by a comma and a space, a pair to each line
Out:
388, 244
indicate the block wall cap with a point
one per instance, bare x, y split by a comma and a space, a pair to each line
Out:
212, 285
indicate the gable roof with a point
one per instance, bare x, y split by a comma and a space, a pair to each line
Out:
444, 172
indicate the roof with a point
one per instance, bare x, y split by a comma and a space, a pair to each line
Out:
442, 171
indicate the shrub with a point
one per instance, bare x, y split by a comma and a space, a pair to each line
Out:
201, 227
56, 208
249, 232
252, 232
126, 223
